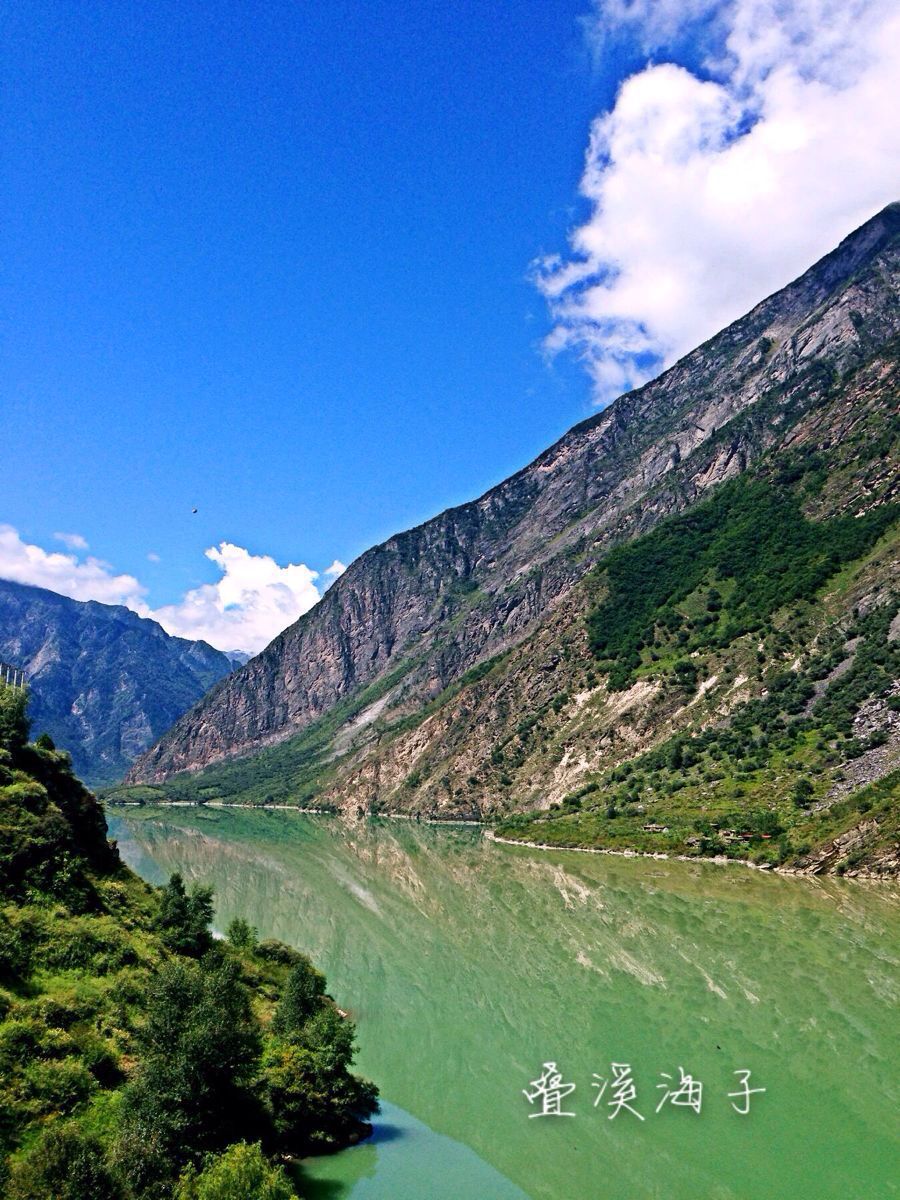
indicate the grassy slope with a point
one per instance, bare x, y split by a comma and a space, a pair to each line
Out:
294, 772
80, 948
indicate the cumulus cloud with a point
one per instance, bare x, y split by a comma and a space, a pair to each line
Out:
252, 602
711, 187
336, 568
90, 579
74, 541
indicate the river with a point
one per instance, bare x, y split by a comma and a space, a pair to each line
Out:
467, 965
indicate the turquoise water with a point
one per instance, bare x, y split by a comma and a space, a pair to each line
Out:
394, 1162
467, 965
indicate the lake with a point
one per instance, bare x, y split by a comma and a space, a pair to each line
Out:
468, 965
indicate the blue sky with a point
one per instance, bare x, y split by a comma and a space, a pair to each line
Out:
277, 262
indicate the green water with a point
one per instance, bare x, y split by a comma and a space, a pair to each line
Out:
468, 964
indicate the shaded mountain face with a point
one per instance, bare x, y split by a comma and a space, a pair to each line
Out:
428, 610
104, 682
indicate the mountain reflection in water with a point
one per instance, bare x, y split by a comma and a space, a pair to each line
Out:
467, 965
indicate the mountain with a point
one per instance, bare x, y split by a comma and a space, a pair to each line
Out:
481, 664
105, 683
238, 657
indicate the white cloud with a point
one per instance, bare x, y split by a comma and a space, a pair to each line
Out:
91, 579
73, 541
153, 557
653, 24
711, 189
253, 601
336, 568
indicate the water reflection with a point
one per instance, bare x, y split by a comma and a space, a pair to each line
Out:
468, 964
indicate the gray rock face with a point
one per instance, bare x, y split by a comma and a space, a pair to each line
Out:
104, 682
431, 602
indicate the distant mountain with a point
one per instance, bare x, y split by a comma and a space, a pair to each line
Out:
499, 659
238, 657
105, 683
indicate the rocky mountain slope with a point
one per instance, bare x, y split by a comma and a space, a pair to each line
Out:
473, 667
104, 682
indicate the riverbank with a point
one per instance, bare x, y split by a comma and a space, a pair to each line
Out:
721, 860
320, 812
819, 866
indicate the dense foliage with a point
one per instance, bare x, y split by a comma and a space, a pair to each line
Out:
241, 1171
139, 1057
754, 547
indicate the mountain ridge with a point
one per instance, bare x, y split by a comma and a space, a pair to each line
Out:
433, 601
105, 682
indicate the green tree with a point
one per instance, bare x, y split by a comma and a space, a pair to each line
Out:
241, 934
13, 721
199, 1050
64, 1164
314, 1101
302, 997
802, 793
184, 919
240, 1173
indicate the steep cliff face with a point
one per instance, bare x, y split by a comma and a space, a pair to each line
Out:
104, 682
411, 617
547, 719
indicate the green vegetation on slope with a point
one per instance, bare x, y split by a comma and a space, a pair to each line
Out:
734, 593
293, 772
139, 1057
752, 540
760, 784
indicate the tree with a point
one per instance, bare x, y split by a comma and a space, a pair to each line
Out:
199, 1052
183, 919
13, 721
64, 1164
241, 1173
302, 997
313, 1100
241, 934
803, 793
